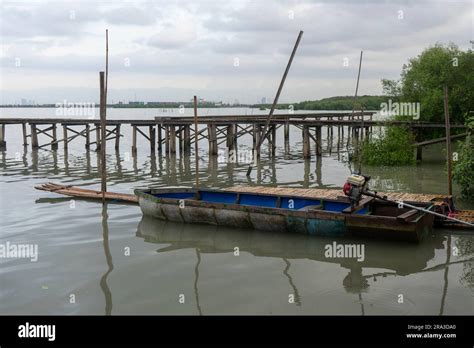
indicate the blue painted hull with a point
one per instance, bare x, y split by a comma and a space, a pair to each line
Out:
319, 217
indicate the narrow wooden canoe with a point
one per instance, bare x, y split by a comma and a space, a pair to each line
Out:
279, 213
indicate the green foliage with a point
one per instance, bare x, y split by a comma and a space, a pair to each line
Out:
391, 148
367, 102
463, 169
423, 78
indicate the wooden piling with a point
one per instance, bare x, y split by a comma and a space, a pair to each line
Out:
54, 142
134, 140
306, 147
65, 137
25, 136
34, 137
273, 140
172, 139
152, 132
230, 137
419, 153
97, 137
88, 138
256, 139
319, 142
180, 133
286, 135
167, 139
212, 138
3, 143
160, 139
187, 140
117, 137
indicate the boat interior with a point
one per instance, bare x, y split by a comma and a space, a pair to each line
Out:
270, 201
366, 206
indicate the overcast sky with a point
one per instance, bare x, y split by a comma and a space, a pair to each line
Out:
219, 50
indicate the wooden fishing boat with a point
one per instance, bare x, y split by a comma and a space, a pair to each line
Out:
293, 214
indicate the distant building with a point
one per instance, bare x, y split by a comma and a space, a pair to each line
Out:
27, 102
263, 101
136, 103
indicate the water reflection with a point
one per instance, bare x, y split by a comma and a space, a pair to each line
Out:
382, 259
108, 257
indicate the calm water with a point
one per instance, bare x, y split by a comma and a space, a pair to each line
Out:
111, 260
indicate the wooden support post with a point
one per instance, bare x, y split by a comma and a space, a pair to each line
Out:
306, 147
318, 141
180, 140
160, 139
65, 137
230, 137
256, 139
54, 142
97, 137
286, 135
172, 139
273, 140
134, 140
236, 135
88, 138
211, 132
117, 137
419, 153
167, 140
187, 140
34, 137
3, 143
152, 139
25, 136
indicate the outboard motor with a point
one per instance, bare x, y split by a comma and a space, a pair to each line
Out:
354, 187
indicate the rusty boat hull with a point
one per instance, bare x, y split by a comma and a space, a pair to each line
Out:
279, 213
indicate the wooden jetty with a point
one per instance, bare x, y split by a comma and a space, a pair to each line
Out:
169, 135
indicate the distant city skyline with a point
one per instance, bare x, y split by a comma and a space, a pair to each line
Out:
218, 50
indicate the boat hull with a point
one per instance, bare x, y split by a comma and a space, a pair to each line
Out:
312, 222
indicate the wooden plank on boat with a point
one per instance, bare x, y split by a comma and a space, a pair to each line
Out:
361, 205
85, 193
407, 215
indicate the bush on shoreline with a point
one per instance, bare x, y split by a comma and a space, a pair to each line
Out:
391, 148
463, 168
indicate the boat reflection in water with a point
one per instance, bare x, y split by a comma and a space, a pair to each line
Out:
381, 259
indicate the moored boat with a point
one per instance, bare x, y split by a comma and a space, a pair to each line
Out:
280, 213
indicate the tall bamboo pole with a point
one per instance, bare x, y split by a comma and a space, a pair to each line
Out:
102, 136
448, 140
103, 117
196, 140
275, 101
